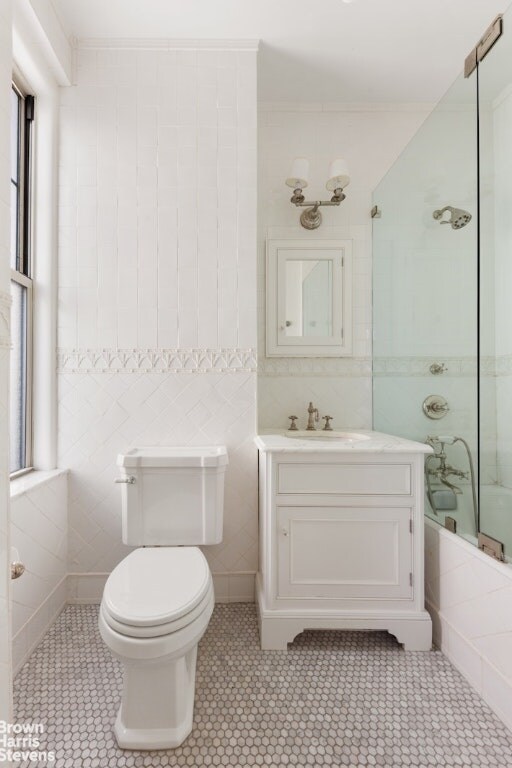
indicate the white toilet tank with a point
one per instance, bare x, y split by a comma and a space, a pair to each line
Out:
173, 496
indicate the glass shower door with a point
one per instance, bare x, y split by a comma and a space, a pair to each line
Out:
425, 302
495, 160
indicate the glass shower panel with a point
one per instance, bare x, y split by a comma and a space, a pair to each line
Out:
425, 301
495, 158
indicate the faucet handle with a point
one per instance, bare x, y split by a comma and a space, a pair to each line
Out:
293, 426
327, 420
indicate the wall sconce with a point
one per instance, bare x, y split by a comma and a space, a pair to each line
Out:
311, 218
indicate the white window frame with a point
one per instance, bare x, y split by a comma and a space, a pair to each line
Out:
22, 274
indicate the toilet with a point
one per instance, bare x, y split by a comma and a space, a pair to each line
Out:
158, 601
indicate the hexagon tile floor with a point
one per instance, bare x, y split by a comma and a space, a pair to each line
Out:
335, 698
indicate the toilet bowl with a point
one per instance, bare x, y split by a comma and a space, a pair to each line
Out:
156, 607
158, 601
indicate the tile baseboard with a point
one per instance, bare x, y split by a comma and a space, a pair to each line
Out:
234, 587
33, 631
87, 589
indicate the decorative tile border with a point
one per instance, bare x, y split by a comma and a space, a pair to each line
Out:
245, 360
315, 366
420, 366
156, 360
5, 320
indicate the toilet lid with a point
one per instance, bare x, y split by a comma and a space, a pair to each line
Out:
156, 585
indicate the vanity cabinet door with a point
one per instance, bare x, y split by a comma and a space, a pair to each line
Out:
344, 552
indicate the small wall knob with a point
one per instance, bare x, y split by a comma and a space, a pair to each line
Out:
327, 420
130, 480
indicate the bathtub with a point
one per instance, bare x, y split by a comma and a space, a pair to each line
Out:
469, 596
495, 515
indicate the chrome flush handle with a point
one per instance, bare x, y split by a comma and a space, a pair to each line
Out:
129, 480
17, 570
17, 567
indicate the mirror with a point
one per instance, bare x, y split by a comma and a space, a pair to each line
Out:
308, 298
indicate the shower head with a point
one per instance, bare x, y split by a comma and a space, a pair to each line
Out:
458, 217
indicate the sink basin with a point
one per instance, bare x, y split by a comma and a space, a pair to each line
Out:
302, 434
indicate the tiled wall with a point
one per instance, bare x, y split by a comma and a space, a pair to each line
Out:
470, 598
157, 200
369, 137
104, 414
39, 534
157, 284
5, 109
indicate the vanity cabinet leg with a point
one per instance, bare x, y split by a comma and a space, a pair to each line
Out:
276, 634
415, 635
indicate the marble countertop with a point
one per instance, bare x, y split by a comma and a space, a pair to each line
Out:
355, 441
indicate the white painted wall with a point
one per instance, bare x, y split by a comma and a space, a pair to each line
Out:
369, 137
38, 514
39, 534
157, 259
5, 109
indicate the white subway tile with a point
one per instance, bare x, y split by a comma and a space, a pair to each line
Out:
228, 327
126, 325
167, 332
186, 115
147, 326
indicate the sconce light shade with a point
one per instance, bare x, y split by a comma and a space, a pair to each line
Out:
299, 173
338, 175
311, 218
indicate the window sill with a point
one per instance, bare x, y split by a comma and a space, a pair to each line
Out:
31, 480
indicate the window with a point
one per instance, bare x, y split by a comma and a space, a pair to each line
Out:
22, 115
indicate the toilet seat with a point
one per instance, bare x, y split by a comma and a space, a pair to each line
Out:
155, 591
157, 630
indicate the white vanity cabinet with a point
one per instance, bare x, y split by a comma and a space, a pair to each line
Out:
341, 538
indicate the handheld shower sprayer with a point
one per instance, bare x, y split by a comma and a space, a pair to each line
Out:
458, 217
443, 470
446, 439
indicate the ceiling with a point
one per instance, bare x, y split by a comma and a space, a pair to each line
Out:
313, 50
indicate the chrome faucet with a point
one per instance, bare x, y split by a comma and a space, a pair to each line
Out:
313, 417
444, 470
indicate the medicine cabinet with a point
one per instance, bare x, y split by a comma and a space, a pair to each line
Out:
309, 292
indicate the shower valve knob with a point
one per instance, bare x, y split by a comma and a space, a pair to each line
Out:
435, 407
